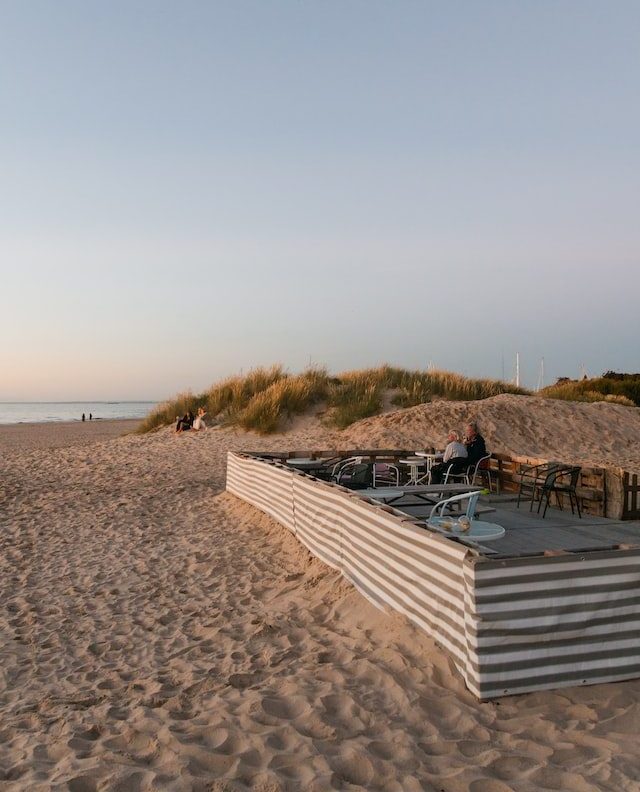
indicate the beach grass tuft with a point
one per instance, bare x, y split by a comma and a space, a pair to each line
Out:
284, 398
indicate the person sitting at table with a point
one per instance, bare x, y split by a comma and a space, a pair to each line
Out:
455, 457
474, 443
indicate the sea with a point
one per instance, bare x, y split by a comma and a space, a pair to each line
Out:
42, 412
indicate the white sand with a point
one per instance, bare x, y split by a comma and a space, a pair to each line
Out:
156, 634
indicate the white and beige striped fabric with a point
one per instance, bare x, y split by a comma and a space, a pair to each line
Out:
510, 626
265, 485
387, 559
550, 622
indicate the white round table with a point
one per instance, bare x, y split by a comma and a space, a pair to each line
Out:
414, 464
430, 461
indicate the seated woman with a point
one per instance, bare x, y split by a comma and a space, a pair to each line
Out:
185, 423
455, 455
199, 423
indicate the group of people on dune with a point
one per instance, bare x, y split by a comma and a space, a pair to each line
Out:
461, 453
189, 422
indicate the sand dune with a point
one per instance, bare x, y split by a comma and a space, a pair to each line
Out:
158, 634
598, 433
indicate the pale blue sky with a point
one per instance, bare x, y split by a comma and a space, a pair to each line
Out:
190, 189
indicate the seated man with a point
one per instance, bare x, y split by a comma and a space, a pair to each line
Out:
455, 456
474, 443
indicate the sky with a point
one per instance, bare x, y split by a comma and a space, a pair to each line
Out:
193, 189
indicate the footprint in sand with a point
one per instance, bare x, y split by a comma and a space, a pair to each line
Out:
242, 681
352, 767
206, 763
84, 783
488, 785
284, 708
225, 742
139, 781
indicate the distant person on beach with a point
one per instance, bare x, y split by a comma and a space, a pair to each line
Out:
185, 423
199, 424
91, 416
455, 456
83, 418
474, 443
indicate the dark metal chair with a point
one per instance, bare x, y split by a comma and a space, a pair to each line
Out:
562, 481
532, 480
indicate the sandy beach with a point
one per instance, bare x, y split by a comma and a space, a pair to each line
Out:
62, 433
158, 634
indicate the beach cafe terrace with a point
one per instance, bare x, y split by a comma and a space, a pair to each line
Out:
521, 602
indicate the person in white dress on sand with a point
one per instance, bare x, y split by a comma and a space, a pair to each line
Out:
199, 422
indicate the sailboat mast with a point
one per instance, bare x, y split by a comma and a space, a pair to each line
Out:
541, 375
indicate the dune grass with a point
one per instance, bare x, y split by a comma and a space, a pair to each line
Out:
624, 391
224, 400
354, 395
359, 394
228, 398
265, 398
288, 396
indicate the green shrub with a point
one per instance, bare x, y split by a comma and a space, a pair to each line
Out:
620, 389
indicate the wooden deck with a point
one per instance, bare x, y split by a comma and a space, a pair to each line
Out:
527, 534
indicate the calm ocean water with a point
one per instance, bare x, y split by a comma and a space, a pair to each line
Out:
39, 412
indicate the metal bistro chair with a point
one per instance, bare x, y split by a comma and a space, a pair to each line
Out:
481, 469
471, 473
385, 475
346, 470
356, 474
562, 481
344, 463
532, 479
462, 475
472, 497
